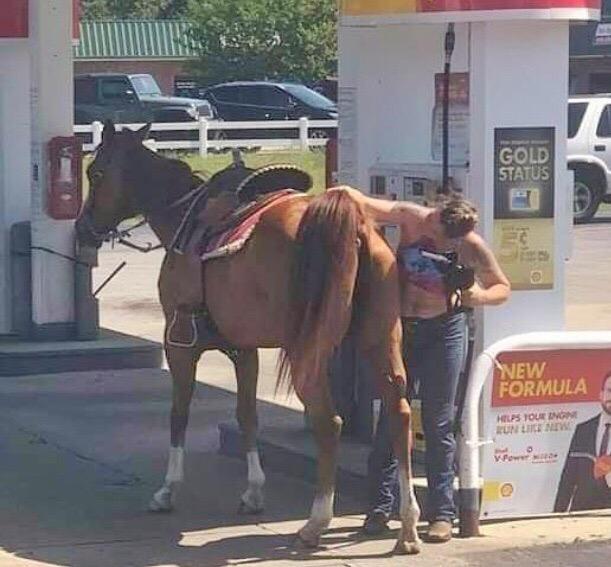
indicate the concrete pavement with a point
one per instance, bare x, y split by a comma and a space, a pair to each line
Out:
82, 453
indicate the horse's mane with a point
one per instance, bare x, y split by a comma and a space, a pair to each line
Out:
160, 180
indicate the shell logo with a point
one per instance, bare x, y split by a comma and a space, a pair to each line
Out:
506, 490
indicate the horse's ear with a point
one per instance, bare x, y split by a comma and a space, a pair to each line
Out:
109, 130
142, 133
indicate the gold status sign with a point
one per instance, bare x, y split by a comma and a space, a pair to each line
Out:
524, 205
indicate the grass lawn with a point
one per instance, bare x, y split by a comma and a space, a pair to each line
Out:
311, 161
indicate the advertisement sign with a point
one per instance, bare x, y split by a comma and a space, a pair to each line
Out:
381, 7
458, 118
549, 411
524, 205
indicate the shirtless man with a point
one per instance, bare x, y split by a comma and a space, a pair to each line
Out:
434, 340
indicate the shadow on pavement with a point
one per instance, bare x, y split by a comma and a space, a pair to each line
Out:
82, 454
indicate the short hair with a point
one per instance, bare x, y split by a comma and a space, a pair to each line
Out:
457, 215
604, 381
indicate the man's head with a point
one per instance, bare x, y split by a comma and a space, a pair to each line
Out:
605, 394
457, 216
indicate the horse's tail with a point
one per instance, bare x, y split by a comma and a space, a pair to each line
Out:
321, 288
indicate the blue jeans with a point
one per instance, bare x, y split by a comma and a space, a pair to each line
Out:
434, 350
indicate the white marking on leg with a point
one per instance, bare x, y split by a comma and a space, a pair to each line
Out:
256, 476
252, 499
176, 465
408, 541
163, 499
320, 518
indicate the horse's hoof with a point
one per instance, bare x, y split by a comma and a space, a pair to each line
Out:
407, 547
161, 503
245, 509
302, 543
252, 503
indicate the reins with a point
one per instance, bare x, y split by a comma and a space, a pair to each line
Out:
192, 198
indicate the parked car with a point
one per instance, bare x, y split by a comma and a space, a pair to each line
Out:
589, 153
259, 100
327, 87
130, 99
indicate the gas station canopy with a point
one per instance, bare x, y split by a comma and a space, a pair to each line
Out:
423, 11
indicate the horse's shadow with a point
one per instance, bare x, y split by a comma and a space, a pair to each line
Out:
76, 479
241, 549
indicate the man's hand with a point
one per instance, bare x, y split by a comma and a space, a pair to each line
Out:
474, 296
357, 195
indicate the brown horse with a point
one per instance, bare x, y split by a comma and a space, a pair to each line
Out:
312, 269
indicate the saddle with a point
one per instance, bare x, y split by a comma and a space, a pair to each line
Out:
222, 217
219, 222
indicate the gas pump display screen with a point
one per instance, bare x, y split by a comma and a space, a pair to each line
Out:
378, 185
418, 188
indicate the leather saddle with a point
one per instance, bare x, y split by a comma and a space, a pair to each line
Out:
230, 197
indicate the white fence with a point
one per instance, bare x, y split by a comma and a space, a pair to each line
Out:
217, 135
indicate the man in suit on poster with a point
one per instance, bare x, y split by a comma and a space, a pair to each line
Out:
585, 483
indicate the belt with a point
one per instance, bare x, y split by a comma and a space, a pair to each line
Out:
413, 321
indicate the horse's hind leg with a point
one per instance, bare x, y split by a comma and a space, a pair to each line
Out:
246, 363
395, 396
327, 427
182, 362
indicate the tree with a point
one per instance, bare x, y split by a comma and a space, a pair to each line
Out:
263, 39
125, 9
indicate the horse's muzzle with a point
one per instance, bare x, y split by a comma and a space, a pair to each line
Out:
86, 232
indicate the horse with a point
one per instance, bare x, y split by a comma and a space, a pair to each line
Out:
313, 269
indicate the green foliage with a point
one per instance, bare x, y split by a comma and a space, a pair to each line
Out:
124, 9
264, 39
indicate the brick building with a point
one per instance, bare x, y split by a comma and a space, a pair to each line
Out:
157, 47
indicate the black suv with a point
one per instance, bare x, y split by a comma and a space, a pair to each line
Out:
129, 99
269, 101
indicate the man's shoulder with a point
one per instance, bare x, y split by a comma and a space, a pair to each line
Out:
474, 249
412, 211
474, 240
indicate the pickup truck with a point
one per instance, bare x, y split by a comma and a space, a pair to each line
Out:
128, 99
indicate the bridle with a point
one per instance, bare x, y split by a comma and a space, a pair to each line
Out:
191, 199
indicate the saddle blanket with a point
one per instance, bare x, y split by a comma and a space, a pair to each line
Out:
235, 237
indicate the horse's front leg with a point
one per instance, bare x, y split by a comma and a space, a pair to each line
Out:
246, 363
182, 362
327, 427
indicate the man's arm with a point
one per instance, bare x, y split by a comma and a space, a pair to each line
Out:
492, 287
383, 211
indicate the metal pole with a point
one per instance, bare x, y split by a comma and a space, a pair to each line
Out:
450, 39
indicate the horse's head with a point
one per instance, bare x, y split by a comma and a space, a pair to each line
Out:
112, 195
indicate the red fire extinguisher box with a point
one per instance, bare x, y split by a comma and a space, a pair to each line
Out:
64, 183
14, 19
